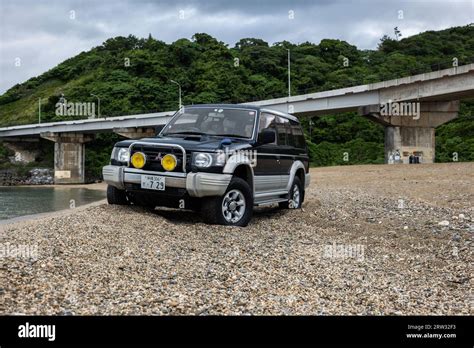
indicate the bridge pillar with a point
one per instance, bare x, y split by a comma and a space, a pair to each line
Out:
25, 149
418, 141
69, 156
410, 127
136, 132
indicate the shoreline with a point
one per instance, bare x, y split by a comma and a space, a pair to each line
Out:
102, 186
22, 221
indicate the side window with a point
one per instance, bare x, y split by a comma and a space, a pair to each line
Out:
267, 121
290, 137
282, 130
298, 135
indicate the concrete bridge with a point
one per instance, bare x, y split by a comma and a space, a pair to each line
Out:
69, 139
410, 108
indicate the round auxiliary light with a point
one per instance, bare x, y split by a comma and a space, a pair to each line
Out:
169, 162
138, 160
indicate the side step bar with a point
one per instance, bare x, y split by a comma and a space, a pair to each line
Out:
267, 194
270, 197
270, 201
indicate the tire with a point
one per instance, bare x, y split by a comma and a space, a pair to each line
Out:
292, 203
234, 208
116, 196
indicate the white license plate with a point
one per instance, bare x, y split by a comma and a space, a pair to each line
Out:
153, 182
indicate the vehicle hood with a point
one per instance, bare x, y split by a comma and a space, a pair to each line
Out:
204, 144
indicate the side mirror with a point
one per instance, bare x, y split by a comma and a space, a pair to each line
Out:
267, 136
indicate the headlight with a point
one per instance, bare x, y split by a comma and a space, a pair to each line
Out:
202, 160
138, 160
121, 154
169, 162
205, 160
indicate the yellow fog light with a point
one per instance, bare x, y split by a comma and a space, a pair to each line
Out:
169, 162
138, 160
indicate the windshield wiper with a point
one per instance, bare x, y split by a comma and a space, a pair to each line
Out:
230, 135
186, 132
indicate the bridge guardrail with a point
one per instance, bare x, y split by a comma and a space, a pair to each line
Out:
364, 81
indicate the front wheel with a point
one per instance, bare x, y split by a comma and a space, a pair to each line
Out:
116, 196
234, 208
295, 197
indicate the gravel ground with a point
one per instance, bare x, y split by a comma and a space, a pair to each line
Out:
405, 234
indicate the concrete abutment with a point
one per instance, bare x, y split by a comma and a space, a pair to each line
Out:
69, 156
25, 150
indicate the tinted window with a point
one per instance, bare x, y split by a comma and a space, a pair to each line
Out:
267, 121
282, 126
298, 135
290, 137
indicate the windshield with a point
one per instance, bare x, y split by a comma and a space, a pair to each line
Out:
237, 123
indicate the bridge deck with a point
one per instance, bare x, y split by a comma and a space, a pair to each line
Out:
428, 86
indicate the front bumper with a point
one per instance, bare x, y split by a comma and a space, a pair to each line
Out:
196, 184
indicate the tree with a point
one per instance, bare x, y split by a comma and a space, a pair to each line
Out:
397, 32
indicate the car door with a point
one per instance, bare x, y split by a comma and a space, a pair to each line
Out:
267, 171
285, 150
299, 148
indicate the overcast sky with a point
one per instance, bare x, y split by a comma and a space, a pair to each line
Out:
36, 35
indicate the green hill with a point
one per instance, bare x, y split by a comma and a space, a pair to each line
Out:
131, 75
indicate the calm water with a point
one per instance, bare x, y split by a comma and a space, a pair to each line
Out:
20, 201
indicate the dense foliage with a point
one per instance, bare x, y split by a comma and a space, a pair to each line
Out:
5, 153
132, 75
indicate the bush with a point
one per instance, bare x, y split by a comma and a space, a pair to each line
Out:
5, 153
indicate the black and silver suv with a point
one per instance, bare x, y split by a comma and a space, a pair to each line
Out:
219, 159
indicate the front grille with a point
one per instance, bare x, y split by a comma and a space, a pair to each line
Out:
155, 153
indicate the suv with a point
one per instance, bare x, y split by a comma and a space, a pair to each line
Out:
220, 159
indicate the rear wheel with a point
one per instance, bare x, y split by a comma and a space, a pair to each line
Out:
295, 197
116, 196
234, 208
